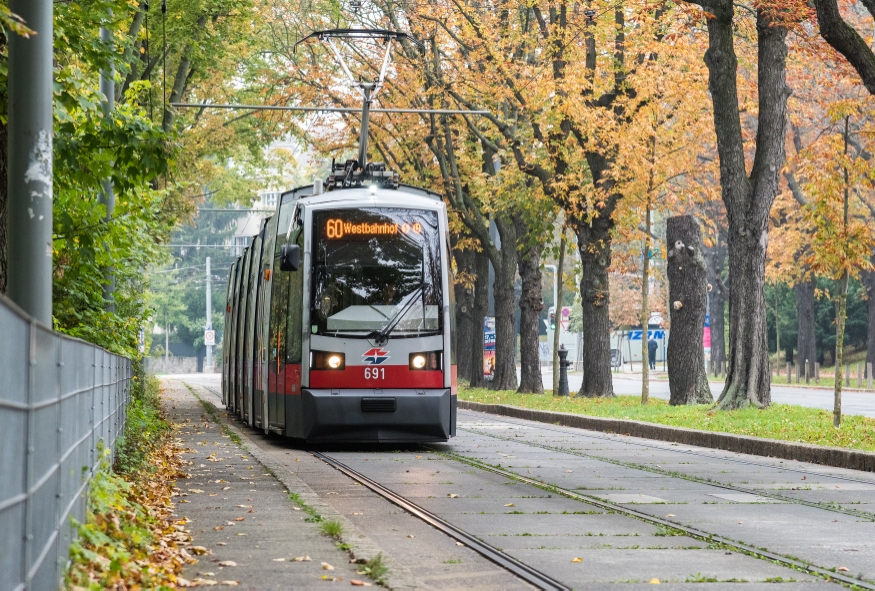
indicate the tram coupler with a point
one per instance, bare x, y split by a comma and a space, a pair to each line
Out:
563, 371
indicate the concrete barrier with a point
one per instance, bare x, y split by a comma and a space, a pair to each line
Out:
758, 446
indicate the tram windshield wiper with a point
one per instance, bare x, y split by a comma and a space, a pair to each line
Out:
381, 337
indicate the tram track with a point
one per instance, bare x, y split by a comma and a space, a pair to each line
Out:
689, 477
507, 562
710, 538
590, 435
541, 580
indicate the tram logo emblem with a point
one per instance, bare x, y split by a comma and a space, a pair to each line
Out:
375, 356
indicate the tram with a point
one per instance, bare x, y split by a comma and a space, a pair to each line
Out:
339, 321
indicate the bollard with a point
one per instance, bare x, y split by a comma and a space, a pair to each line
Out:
869, 375
789, 377
807, 378
563, 371
847, 375
816, 372
859, 375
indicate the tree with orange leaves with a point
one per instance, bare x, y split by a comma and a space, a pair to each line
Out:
842, 238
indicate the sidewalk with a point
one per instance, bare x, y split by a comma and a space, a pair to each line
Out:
245, 529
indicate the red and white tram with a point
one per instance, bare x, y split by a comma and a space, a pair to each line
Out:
339, 318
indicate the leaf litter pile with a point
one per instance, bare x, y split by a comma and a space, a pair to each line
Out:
132, 538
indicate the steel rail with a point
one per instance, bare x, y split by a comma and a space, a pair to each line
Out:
690, 531
519, 569
574, 430
688, 477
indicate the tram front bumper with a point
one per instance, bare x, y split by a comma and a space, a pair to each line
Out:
367, 415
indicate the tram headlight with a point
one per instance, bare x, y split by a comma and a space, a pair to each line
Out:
327, 360
429, 361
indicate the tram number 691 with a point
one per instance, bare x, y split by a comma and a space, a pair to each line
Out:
375, 373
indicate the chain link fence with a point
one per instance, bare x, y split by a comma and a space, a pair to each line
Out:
59, 399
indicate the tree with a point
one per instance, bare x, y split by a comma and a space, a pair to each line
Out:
748, 197
842, 36
687, 379
843, 242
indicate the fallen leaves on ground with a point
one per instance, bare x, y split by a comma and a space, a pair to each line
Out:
453, 496
227, 563
577, 560
131, 538
326, 566
301, 559
357, 583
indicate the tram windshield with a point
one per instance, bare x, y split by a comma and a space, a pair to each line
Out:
375, 268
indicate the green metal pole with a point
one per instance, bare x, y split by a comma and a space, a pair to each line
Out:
30, 161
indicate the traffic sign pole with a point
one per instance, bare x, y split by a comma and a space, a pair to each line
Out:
209, 326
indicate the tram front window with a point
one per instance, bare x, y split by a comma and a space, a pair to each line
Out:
375, 268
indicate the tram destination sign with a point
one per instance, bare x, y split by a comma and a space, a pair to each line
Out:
336, 228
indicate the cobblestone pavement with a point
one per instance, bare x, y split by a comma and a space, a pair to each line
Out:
754, 503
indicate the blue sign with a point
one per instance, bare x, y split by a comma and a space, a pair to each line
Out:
635, 335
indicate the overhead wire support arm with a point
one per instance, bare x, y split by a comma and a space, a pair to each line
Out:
322, 109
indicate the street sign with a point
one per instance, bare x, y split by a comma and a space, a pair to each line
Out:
209, 338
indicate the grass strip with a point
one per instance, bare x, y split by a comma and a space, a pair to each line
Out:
780, 421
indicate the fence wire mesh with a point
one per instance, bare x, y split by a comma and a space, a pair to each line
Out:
61, 399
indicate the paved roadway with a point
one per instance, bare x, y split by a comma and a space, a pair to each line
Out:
823, 516
853, 402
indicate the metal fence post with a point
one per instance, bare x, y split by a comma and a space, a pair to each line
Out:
30, 161
29, 478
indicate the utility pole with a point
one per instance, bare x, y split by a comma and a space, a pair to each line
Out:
209, 326
107, 196
30, 160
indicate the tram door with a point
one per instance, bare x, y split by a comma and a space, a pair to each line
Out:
265, 281
240, 331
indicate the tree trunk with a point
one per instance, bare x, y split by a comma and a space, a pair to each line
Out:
806, 345
841, 317
595, 255
531, 304
466, 327
132, 53
481, 308
748, 200
688, 289
502, 291
715, 259
868, 278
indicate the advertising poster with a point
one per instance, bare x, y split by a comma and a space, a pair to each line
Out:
706, 337
489, 347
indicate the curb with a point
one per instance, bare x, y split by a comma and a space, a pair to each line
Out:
399, 576
836, 457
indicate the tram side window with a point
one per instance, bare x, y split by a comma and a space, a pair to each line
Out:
278, 311
294, 333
